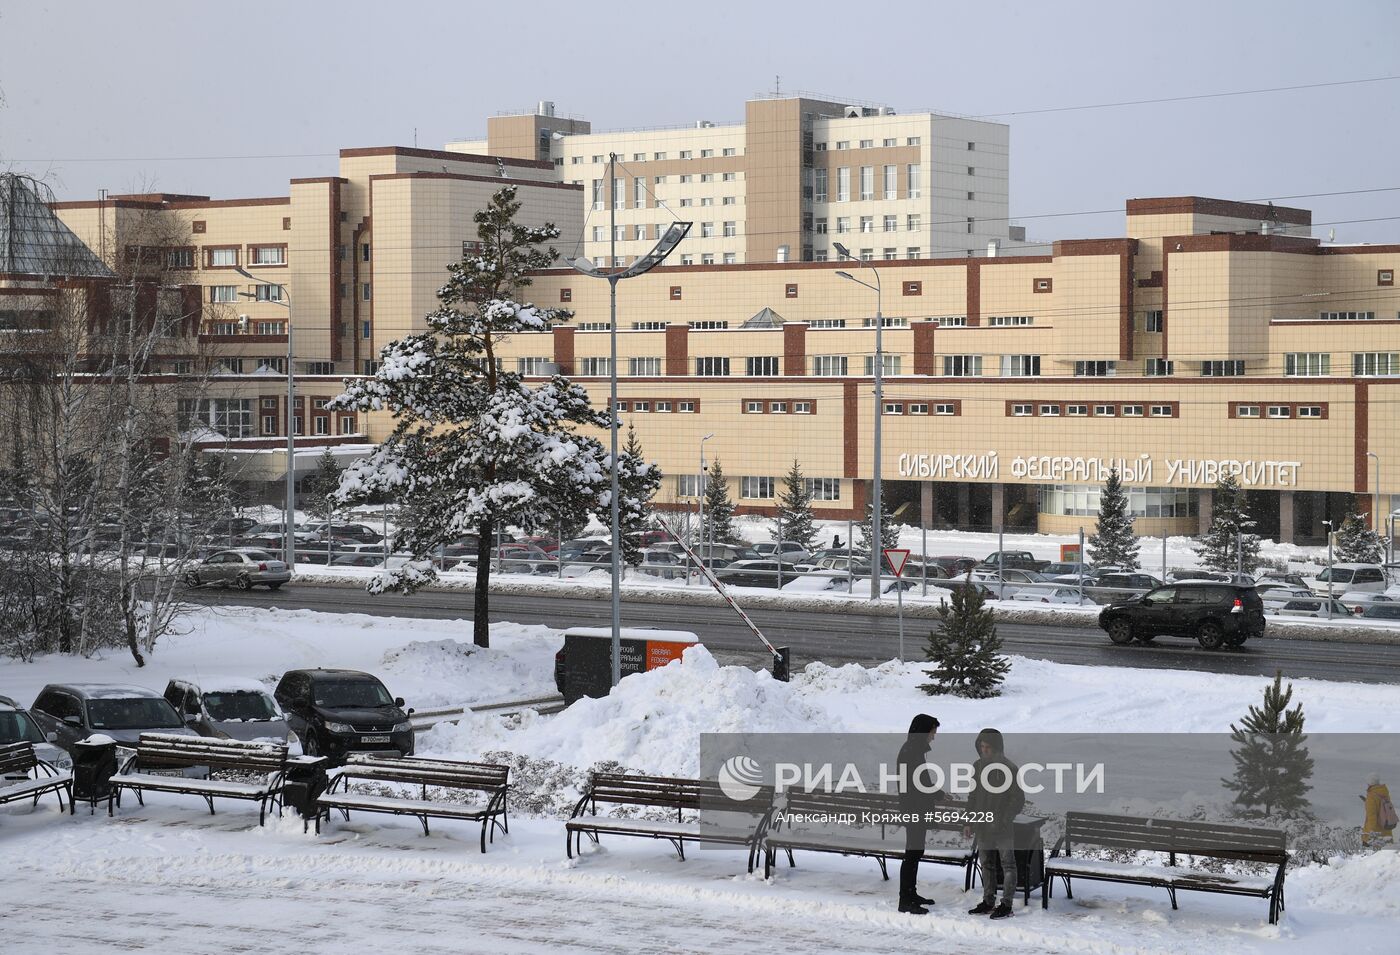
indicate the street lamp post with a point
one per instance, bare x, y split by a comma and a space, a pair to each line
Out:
1328, 525
664, 246
289, 544
877, 509
702, 500
1376, 493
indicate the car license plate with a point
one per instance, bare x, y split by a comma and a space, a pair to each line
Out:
374, 739
165, 772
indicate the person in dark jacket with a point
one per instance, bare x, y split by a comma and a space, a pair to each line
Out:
912, 755
994, 818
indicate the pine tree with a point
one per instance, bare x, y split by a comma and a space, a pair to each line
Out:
474, 448
1230, 527
794, 520
965, 649
1272, 763
1113, 542
889, 530
719, 509
638, 482
322, 483
1356, 542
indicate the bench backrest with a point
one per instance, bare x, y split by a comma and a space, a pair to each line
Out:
1145, 834
17, 758
165, 750
447, 773
670, 792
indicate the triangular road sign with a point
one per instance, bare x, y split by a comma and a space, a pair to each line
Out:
896, 557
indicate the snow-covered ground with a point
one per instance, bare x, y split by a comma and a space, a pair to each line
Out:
171, 876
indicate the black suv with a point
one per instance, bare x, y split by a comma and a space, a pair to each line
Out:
1215, 614
337, 712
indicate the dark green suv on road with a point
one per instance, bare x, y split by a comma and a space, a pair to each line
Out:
1215, 614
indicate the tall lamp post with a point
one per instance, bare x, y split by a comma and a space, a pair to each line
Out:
1376, 494
877, 510
289, 518
703, 439
641, 265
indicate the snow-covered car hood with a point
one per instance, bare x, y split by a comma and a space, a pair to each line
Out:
251, 729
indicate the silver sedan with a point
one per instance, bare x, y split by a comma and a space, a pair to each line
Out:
243, 567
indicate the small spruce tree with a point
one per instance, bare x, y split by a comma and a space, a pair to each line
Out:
638, 482
319, 487
1113, 542
794, 519
1272, 763
965, 650
889, 530
1230, 531
1356, 542
719, 509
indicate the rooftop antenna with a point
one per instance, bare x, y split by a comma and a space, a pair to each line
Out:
777, 85
415, 137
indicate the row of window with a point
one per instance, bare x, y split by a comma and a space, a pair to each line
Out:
661, 157
888, 141
1280, 410
225, 294
659, 405
762, 488
819, 178
320, 425
1072, 409
950, 408
796, 406
227, 256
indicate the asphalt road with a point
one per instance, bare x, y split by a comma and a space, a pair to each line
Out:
846, 637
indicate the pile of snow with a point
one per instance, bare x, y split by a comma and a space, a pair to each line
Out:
652, 722
1363, 885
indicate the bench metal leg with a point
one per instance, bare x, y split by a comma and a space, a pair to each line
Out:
210, 801
884, 869
768, 858
792, 863
1046, 887
1069, 890
1171, 892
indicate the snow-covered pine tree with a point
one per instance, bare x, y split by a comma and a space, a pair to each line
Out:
1230, 529
965, 650
794, 518
889, 530
1272, 763
1113, 542
474, 448
1356, 542
322, 483
638, 481
719, 509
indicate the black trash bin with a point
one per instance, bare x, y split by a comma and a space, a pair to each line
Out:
306, 780
94, 765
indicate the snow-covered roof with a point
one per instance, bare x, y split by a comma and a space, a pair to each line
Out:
220, 683
635, 633
111, 691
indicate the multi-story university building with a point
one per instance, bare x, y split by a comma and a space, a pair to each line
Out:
1211, 337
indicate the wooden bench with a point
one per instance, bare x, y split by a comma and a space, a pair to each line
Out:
791, 827
19, 759
488, 778
1173, 838
161, 760
714, 818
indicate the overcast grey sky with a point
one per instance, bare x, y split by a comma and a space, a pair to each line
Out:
154, 89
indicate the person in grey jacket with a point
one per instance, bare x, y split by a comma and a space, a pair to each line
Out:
994, 818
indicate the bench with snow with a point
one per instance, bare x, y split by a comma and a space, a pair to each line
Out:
441, 774
24, 775
817, 822
703, 813
1172, 838
161, 762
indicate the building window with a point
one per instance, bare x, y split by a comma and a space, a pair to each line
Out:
1246, 411
1049, 411
1309, 363
1310, 411
566, 295
1152, 320
761, 366
777, 407
1347, 316
365, 330
1161, 411
919, 407
1228, 368
708, 324
913, 252
1105, 411
365, 292
223, 293
272, 328
867, 182
753, 407
947, 408
914, 174
624, 406
890, 365
649, 326
269, 424
320, 424
829, 365
755, 488
371, 366
893, 407
644, 367
1095, 369
824, 489
914, 288
1021, 411
819, 185
913, 222
685, 407
1009, 321
891, 182
790, 290
712, 366
1280, 411
268, 293
1158, 367
641, 406
843, 184
532, 366
675, 293
1132, 411
594, 367
1077, 411
731, 229
962, 366
179, 258
269, 254
663, 406
843, 224
1040, 285
1375, 364
221, 258
1385, 276
801, 407
970, 222
347, 425
1019, 366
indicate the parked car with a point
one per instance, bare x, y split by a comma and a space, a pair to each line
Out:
1281, 577
755, 573
361, 533
1385, 611
1020, 559
231, 527
227, 707
545, 543
1065, 569
301, 532
1218, 576
17, 725
69, 712
1276, 597
358, 560
1106, 588
1313, 607
1359, 600
337, 712
662, 563
1056, 595
1010, 581
792, 551
1215, 614
1340, 578
243, 567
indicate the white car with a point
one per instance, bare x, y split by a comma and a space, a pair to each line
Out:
792, 551
1342, 578
1276, 597
1312, 607
1059, 595
1359, 600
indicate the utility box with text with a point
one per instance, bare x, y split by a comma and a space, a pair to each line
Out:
587, 656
